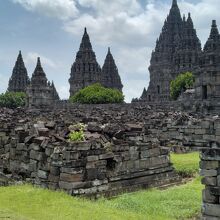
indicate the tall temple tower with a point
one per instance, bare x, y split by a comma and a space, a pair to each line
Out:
85, 70
110, 76
207, 83
40, 92
19, 79
176, 51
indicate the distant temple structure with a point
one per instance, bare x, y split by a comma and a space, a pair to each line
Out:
19, 79
207, 85
110, 75
41, 92
86, 70
177, 50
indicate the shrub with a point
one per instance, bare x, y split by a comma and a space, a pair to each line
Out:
77, 134
13, 99
97, 94
180, 84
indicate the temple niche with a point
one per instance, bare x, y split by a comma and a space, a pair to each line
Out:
86, 70
19, 79
40, 92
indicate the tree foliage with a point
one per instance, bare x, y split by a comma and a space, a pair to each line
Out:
180, 84
97, 94
12, 99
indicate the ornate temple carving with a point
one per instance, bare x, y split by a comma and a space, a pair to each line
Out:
19, 79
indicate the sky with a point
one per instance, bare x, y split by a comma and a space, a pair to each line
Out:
52, 29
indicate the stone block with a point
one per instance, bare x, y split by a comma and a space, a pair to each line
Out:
215, 191
106, 156
35, 155
208, 197
42, 174
21, 146
71, 177
71, 155
200, 131
74, 185
209, 165
91, 174
212, 210
34, 146
54, 170
44, 132
208, 173
71, 170
218, 180
92, 158
209, 181
205, 217
53, 178
33, 165
217, 131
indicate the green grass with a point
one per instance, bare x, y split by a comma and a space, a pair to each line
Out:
186, 165
31, 203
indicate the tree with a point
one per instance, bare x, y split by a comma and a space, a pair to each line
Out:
180, 84
97, 94
13, 99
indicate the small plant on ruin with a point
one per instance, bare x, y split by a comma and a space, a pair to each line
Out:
180, 84
13, 99
77, 133
97, 94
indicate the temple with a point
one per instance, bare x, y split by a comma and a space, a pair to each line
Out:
19, 79
110, 75
177, 50
207, 85
41, 92
86, 70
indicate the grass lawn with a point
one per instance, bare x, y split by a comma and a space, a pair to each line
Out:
186, 165
31, 203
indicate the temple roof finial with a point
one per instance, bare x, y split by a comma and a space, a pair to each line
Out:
38, 62
174, 3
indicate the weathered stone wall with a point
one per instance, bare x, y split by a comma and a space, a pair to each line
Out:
114, 158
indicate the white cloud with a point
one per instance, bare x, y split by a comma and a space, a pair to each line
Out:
63, 9
31, 58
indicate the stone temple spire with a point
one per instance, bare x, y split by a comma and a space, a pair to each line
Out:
144, 94
40, 92
19, 79
85, 44
162, 58
214, 38
188, 49
85, 70
39, 76
110, 75
55, 93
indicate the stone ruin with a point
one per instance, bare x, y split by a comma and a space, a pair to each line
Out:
126, 148
115, 157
